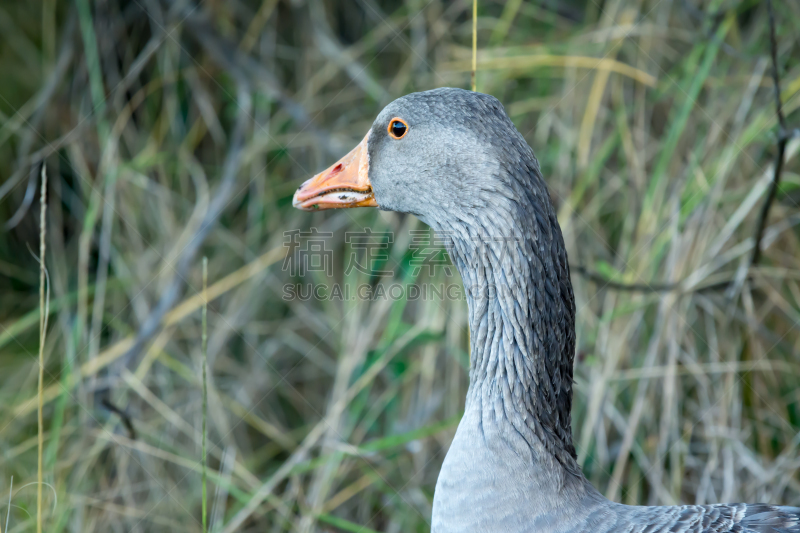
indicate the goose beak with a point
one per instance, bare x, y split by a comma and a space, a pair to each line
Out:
344, 184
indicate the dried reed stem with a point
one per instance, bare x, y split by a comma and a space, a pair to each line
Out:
205, 387
783, 139
474, 42
8, 511
42, 334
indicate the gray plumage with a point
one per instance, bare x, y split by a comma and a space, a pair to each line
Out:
465, 170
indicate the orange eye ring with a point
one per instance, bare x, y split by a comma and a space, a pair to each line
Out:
397, 128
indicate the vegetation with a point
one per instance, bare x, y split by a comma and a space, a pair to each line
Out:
176, 130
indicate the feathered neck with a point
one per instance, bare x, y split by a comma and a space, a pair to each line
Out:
514, 267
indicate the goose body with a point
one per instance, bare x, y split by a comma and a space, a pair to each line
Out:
454, 159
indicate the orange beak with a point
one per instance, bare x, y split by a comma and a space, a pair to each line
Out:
344, 184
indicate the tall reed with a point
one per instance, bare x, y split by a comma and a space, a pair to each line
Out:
43, 317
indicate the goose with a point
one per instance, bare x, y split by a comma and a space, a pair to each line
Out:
455, 160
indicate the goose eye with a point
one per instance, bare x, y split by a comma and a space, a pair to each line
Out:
398, 128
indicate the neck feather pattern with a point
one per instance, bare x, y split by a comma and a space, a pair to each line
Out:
522, 316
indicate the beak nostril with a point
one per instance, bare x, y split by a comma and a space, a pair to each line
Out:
344, 184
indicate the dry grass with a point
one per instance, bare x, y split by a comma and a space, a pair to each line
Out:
653, 121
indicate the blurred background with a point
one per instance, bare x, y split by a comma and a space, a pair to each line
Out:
171, 131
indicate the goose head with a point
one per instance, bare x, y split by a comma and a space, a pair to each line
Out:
448, 156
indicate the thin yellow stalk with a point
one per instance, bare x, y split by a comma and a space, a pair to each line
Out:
42, 334
474, 42
205, 386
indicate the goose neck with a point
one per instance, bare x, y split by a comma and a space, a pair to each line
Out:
522, 323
